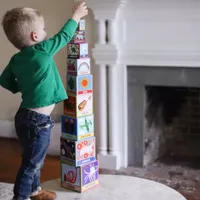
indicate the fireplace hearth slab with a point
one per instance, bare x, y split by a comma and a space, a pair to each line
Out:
118, 187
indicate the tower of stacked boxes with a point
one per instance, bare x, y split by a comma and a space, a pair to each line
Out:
79, 167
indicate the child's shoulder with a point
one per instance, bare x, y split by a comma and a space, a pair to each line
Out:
30, 55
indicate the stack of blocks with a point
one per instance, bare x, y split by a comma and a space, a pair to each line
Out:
79, 167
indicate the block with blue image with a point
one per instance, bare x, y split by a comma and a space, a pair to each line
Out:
77, 128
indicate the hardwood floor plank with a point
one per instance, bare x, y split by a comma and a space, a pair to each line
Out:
10, 159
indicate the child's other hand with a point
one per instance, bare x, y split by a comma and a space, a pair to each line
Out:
79, 11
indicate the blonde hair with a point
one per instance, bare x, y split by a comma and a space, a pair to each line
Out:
18, 24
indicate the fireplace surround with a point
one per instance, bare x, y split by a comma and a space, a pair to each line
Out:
163, 103
139, 43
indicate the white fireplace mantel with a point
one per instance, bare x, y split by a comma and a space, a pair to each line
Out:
140, 32
104, 9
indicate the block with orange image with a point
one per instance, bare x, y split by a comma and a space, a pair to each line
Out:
79, 84
80, 96
79, 105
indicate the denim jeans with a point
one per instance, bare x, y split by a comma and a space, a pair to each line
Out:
33, 130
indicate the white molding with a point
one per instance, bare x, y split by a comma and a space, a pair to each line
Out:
105, 54
124, 89
174, 14
109, 54
101, 111
105, 9
170, 4
109, 162
7, 130
160, 58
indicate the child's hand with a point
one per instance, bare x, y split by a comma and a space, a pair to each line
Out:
79, 11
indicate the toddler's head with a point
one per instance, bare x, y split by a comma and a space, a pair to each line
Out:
24, 27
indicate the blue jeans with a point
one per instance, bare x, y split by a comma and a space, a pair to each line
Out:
33, 130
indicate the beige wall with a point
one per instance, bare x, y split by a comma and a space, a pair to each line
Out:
55, 13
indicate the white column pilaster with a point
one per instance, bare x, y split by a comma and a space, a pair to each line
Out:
101, 31
113, 111
111, 32
106, 54
101, 111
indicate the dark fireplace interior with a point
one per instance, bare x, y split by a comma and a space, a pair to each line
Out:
172, 125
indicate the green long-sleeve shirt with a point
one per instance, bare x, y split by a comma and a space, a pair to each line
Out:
34, 73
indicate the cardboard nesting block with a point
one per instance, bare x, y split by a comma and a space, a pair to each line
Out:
77, 128
78, 153
79, 50
80, 179
79, 84
81, 25
77, 67
79, 105
79, 37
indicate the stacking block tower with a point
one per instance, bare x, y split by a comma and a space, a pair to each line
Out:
79, 167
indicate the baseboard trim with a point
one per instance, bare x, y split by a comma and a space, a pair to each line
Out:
7, 130
108, 162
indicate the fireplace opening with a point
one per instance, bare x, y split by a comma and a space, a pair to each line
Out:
172, 125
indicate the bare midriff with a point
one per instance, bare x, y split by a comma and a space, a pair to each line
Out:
47, 110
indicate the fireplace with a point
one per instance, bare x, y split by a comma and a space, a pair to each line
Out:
163, 114
172, 121
143, 47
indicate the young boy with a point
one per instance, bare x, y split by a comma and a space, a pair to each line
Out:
33, 72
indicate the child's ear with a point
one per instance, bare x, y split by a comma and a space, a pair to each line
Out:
34, 36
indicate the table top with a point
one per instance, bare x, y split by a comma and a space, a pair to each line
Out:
117, 188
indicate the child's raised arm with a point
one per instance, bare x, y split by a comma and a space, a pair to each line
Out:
64, 36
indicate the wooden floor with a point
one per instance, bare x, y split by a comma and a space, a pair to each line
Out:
10, 158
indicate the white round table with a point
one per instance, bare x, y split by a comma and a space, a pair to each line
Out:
114, 187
